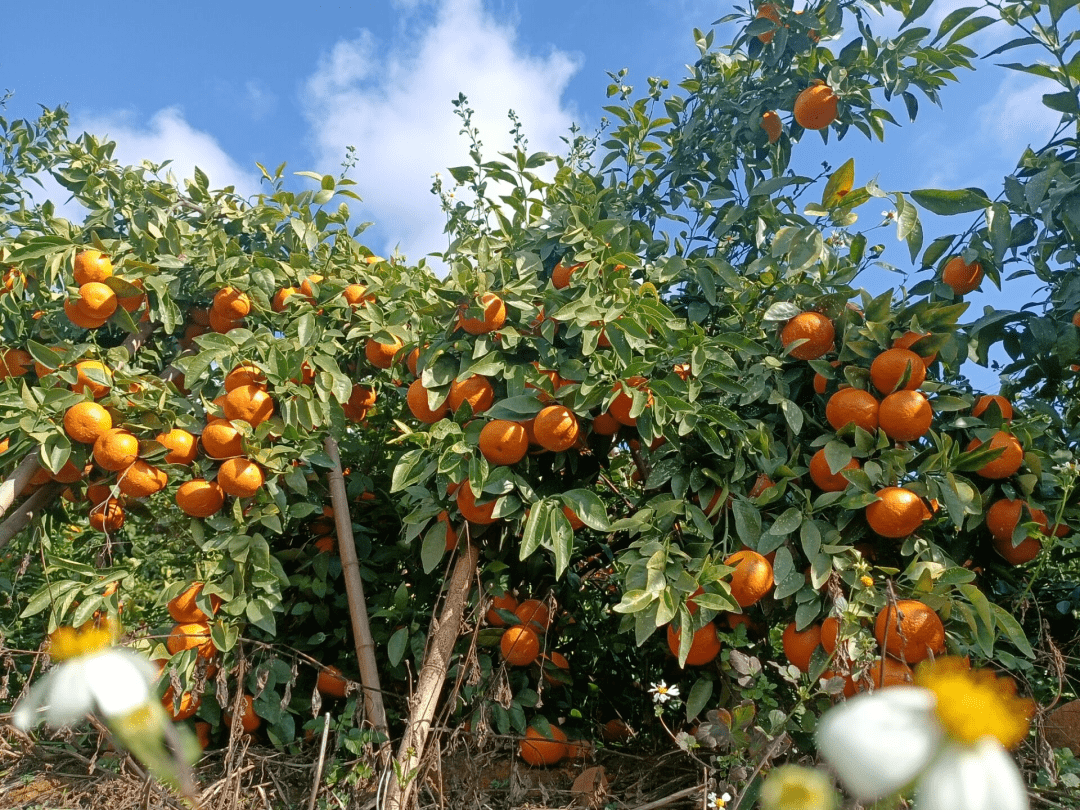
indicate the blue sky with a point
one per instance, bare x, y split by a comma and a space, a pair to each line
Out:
223, 85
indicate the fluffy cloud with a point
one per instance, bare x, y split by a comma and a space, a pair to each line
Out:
392, 101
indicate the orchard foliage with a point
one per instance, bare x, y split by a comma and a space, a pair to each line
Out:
644, 278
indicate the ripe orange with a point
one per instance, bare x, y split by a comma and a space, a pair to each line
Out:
799, 645
830, 633
534, 613
222, 440
560, 276
555, 661
1027, 551
71, 309
248, 403
326, 544
1002, 518
181, 446
503, 442
767, 11
85, 421
131, 301
896, 673
230, 304
773, 126
182, 709
107, 516
96, 301
330, 683
466, 503
538, 749
417, 399
200, 498
824, 478
909, 339
853, 406
519, 645
623, 402
704, 647
190, 636
816, 107
605, 424
183, 609
240, 477
14, 363
752, 577
361, 400
202, 733
451, 533
905, 416
892, 365
1007, 463
494, 316
308, 285
504, 602
91, 265
918, 633
897, 512
962, 277
556, 428
278, 303
983, 403
381, 355
813, 327
115, 449
141, 479
68, 474
89, 373
575, 522
356, 295
476, 390
249, 721
244, 374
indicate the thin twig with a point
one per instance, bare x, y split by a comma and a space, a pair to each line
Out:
319, 765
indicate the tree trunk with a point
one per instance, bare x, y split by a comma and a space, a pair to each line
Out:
26, 512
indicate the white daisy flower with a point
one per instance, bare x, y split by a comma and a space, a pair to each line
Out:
662, 693
714, 802
949, 734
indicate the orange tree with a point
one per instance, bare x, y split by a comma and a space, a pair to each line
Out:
645, 396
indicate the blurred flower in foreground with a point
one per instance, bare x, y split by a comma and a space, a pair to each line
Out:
662, 693
949, 733
793, 787
93, 677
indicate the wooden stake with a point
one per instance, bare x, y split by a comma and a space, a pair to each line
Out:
18, 519
15, 483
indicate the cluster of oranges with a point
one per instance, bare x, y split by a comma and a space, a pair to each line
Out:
100, 292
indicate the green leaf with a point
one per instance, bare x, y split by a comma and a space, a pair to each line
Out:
918, 8
589, 508
699, 696
952, 20
431, 553
948, 203
840, 183
1064, 102
395, 648
562, 539
536, 524
970, 27
1008, 624
1059, 7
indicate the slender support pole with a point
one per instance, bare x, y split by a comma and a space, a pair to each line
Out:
15, 483
354, 590
26, 512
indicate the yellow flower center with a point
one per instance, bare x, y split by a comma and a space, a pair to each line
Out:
66, 643
972, 704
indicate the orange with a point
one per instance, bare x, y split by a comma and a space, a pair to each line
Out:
230, 304
504, 602
773, 126
534, 613
199, 316
91, 265
361, 400
181, 446
466, 503
278, 302
752, 577
115, 449
240, 477
896, 673
575, 522
1027, 551
183, 610
89, 373
202, 733
381, 355
494, 316
605, 424
556, 428
249, 721
853, 406
71, 309
909, 339
96, 301
555, 661
897, 512
813, 327
816, 107
830, 633
905, 416
417, 399
308, 285
451, 532
98, 493
85, 421
68, 474
519, 645
539, 749
892, 365
1002, 518
918, 633
326, 543
14, 363
248, 403
221, 324
200, 498
704, 647
769, 12
824, 478
962, 277
503, 442
190, 636
182, 710
107, 516
560, 276
1007, 463
191, 332
621, 405
142, 479
476, 390
131, 301
799, 645
244, 374
221, 440
356, 295
983, 403
330, 683
412, 360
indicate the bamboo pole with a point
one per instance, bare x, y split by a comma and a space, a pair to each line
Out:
15, 483
402, 790
18, 519
354, 589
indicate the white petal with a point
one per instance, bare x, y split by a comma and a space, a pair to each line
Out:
877, 743
26, 714
117, 681
69, 697
979, 777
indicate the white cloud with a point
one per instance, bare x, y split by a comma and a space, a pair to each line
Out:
392, 101
1016, 117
